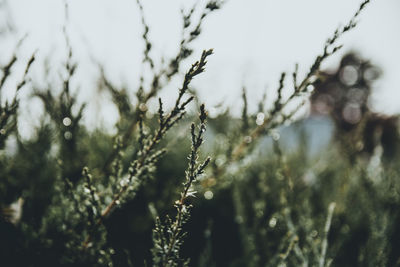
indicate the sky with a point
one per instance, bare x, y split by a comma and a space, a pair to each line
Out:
253, 41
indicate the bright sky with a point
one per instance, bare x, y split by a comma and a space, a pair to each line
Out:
254, 41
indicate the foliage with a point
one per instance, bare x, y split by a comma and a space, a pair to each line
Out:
71, 196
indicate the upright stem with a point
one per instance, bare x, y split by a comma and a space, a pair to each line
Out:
326, 232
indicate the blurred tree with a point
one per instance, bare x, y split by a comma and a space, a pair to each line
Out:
344, 96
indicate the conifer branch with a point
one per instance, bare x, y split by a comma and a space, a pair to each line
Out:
168, 238
146, 155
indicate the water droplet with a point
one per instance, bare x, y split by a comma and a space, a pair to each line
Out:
117, 202
349, 75
208, 195
67, 121
275, 135
260, 118
371, 74
68, 135
272, 222
2, 132
143, 107
247, 139
124, 181
352, 113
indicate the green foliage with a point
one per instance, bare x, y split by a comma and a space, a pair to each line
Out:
168, 238
71, 196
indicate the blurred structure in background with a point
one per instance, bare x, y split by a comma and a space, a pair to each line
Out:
344, 96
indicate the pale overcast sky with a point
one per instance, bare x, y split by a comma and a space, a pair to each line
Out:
254, 41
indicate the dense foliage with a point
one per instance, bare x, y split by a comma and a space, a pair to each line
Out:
151, 195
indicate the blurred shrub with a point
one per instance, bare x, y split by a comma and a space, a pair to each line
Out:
149, 195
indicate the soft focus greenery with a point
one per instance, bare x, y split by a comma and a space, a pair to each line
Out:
149, 195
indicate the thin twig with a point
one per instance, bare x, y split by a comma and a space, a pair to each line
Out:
328, 222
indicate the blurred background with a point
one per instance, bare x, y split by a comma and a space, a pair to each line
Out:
254, 41
267, 203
